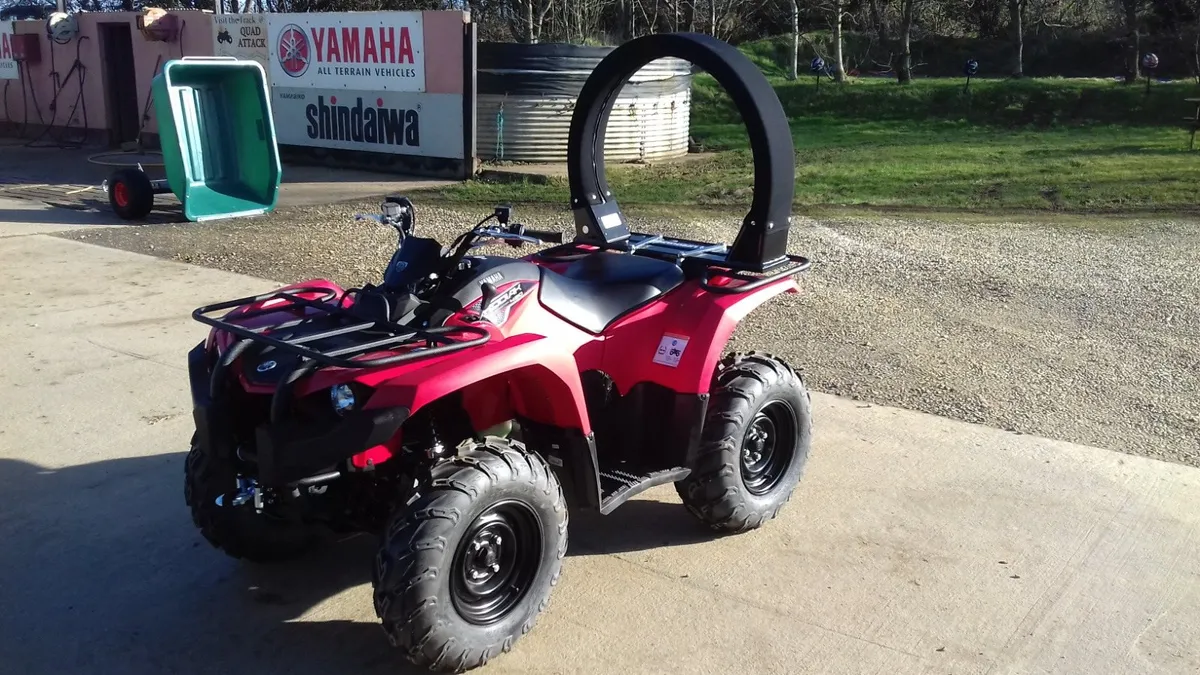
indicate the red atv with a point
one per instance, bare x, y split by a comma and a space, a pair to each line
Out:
460, 407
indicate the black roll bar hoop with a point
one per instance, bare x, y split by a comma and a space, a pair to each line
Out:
761, 242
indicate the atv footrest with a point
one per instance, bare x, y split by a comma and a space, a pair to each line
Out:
618, 484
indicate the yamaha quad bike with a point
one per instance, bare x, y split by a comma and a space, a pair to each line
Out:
459, 408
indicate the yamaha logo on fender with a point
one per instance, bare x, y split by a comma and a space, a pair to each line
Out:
363, 124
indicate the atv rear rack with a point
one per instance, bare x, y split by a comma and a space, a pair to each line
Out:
379, 335
705, 260
751, 281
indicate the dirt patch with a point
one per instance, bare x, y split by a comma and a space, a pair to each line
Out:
1084, 333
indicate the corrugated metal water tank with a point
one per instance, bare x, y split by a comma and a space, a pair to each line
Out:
527, 95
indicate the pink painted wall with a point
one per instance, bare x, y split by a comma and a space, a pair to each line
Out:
196, 39
443, 51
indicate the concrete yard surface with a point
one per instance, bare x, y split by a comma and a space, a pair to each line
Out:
915, 544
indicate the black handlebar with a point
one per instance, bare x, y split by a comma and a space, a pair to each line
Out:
545, 235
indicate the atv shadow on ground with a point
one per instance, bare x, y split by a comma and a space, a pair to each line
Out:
101, 571
637, 525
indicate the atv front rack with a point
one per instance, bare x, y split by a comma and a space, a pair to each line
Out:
324, 318
378, 334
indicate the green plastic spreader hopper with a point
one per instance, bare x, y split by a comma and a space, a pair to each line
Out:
218, 143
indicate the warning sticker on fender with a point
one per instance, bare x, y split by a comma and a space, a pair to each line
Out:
670, 349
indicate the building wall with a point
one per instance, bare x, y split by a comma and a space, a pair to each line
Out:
196, 39
437, 135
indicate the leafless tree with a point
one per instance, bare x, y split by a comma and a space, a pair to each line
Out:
907, 12
1017, 31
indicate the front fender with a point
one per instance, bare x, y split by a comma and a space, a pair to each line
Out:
539, 382
543, 381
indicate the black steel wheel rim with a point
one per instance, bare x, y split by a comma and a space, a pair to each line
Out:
496, 563
768, 447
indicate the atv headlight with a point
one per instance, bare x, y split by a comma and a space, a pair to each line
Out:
342, 398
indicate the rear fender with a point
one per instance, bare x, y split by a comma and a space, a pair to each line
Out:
661, 361
678, 346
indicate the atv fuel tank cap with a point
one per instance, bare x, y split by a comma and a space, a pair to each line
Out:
761, 242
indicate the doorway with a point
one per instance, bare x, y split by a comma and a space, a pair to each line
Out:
120, 83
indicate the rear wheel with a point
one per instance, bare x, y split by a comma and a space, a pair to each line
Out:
238, 530
130, 193
754, 445
465, 570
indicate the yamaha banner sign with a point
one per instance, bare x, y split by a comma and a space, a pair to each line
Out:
8, 65
370, 51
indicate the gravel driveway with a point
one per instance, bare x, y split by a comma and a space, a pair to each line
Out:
1082, 332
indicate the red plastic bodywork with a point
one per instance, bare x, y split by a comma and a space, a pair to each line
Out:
533, 363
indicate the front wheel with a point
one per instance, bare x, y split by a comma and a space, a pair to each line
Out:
210, 486
465, 569
754, 444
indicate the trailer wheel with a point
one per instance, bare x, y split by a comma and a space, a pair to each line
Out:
465, 569
754, 444
130, 193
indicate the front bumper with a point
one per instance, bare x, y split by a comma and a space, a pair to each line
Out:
290, 450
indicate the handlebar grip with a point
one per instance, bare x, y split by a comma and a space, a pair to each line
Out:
546, 236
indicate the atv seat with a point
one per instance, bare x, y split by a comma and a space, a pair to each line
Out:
600, 288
